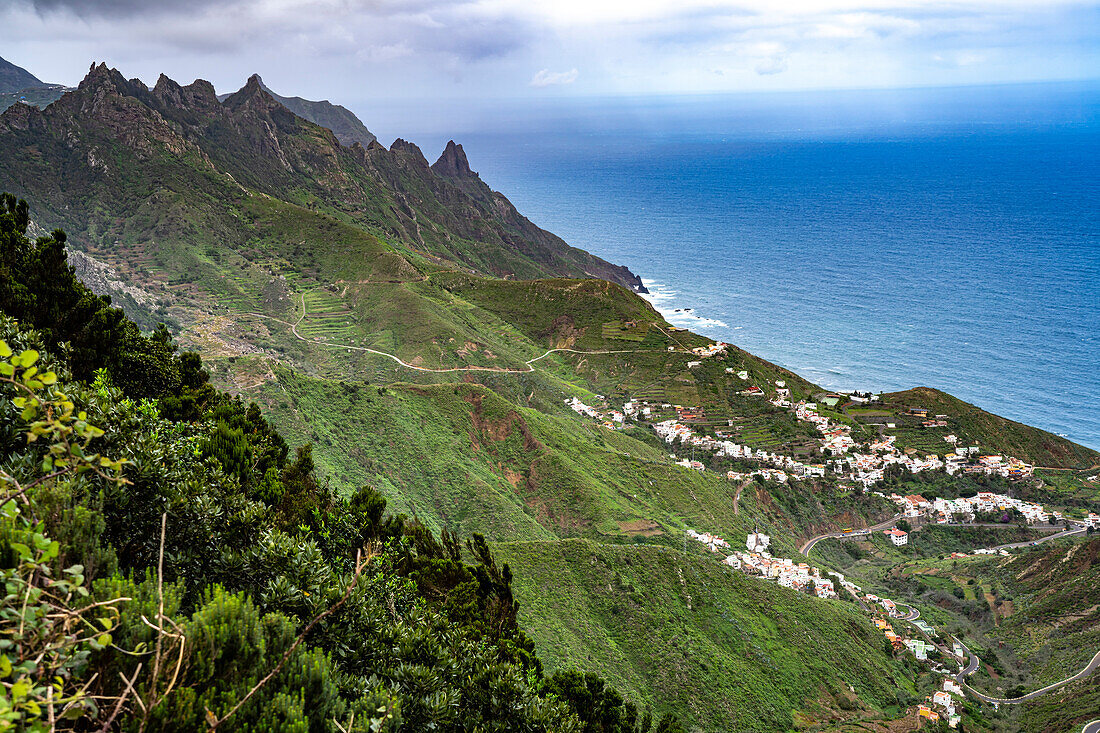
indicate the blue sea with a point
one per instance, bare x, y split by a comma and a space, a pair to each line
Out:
874, 240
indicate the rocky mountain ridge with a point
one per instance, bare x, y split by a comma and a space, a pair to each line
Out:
250, 140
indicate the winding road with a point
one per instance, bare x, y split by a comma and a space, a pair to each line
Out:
1057, 535
913, 615
737, 496
972, 666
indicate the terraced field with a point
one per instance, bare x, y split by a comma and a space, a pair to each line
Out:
327, 318
926, 441
626, 331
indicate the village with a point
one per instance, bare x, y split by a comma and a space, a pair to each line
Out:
847, 459
966, 509
842, 456
758, 562
941, 703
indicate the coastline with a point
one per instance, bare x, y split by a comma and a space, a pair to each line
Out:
663, 297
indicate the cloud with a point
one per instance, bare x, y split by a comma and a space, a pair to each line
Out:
770, 66
119, 8
546, 78
374, 50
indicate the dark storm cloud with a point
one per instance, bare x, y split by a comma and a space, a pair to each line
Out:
321, 27
121, 8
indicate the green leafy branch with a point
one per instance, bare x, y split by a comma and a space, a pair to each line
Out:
48, 627
51, 419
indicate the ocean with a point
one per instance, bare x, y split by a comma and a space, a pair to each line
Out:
866, 240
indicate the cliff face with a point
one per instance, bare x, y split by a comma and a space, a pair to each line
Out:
111, 144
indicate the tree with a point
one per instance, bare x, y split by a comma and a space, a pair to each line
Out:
38, 287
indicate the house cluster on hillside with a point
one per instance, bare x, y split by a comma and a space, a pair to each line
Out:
714, 349
865, 468
673, 432
944, 701
965, 509
784, 571
757, 561
941, 702
942, 705
960, 461
612, 419
713, 542
864, 464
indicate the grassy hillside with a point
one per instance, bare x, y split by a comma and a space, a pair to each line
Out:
666, 625
1032, 618
463, 457
1054, 629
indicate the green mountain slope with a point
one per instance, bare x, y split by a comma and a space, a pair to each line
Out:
121, 143
995, 434
404, 320
670, 625
13, 78
17, 85
348, 128
1054, 629
462, 456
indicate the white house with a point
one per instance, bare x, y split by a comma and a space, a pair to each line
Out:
897, 536
758, 542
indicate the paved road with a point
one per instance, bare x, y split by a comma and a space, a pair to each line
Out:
809, 545
913, 614
1077, 529
1093, 727
972, 666
1058, 535
737, 496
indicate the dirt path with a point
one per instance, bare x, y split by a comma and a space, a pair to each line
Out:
737, 496
529, 364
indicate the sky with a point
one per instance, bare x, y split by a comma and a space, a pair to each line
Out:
469, 52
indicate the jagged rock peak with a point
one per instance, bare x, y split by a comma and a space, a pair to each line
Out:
166, 88
102, 75
202, 88
198, 94
254, 95
453, 163
253, 87
408, 148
